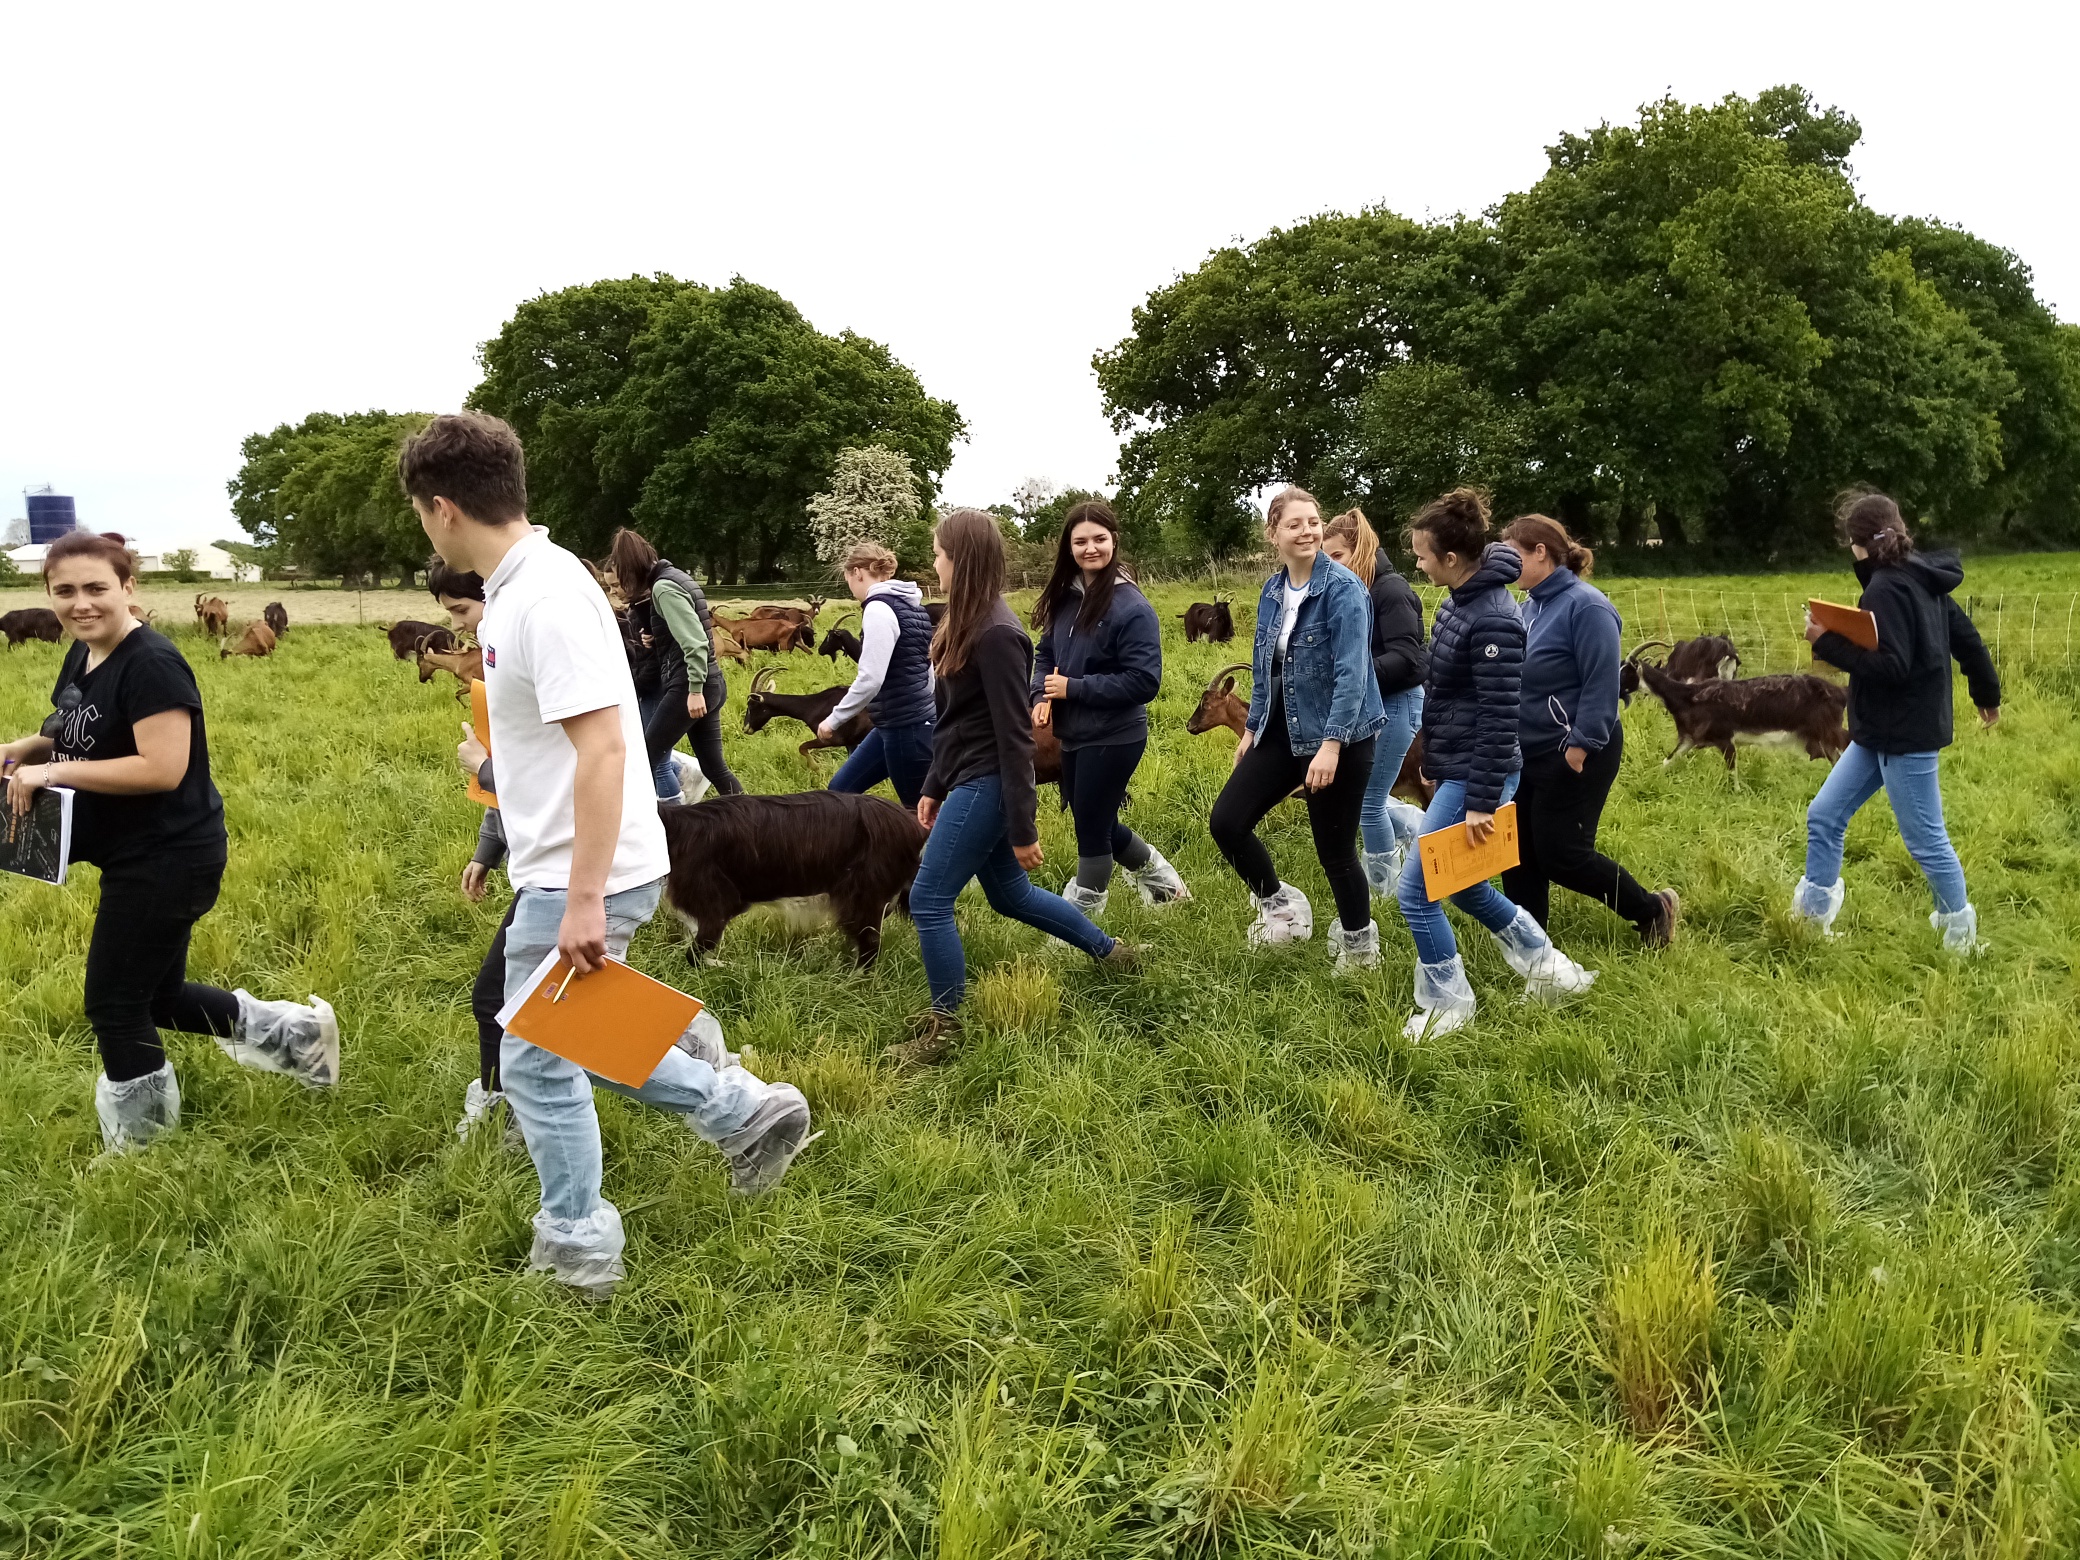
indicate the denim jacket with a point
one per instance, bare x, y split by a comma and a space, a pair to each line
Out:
1331, 692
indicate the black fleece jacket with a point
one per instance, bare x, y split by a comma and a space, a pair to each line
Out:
985, 724
1899, 693
1398, 655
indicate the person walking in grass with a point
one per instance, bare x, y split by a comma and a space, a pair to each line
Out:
587, 855
1900, 715
1570, 735
1470, 748
129, 740
1100, 662
979, 797
671, 614
1399, 660
1314, 719
894, 681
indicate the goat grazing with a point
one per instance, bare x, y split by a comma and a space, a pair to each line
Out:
1786, 708
410, 637
464, 665
839, 640
1209, 620
1221, 705
761, 704
730, 852
212, 614
32, 623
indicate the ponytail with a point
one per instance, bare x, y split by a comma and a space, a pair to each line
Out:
1529, 531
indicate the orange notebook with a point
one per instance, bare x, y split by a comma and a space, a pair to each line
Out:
1450, 863
480, 720
616, 1022
1852, 623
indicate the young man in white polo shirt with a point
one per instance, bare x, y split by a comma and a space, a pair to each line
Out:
587, 854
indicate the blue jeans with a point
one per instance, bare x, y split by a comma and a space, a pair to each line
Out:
901, 755
1404, 720
1484, 902
552, 1098
971, 840
1909, 783
664, 778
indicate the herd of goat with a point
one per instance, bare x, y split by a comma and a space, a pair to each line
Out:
732, 852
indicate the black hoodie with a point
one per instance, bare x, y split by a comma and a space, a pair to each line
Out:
1899, 693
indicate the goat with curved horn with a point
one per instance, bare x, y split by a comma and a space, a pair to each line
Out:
1219, 705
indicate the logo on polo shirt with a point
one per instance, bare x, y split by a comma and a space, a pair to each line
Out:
490, 656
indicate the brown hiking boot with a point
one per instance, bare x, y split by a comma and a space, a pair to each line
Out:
1661, 931
1124, 957
934, 1039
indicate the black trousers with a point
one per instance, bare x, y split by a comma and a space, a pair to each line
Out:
1557, 816
1265, 777
488, 996
137, 960
1094, 784
669, 722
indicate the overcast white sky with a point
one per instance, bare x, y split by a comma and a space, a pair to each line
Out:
218, 218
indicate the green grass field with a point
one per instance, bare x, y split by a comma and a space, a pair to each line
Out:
1769, 1246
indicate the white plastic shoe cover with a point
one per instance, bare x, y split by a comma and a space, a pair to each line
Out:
1549, 975
1383, 869
300, 1039
477, 1104
1960, 929
137, 1110
1407, 821
583, 1253
1811, 902
1284, 917
1157, 881
1357, 950
1091, 901
1444, 1000
703, 1041
693, 784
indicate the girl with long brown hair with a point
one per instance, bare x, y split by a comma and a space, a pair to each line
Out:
671, 612
979, 796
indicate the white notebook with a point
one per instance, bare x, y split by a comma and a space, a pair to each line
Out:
40, 845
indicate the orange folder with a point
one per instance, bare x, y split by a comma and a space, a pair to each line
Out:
480, 720
1450, 863
616, 1022
1852, 623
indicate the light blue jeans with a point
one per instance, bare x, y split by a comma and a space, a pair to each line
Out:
552, 1098
1484, 902
1909, 783
1375, 818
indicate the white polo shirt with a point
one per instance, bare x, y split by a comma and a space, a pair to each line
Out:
552, 650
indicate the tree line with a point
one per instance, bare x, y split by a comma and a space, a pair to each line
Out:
1690, 332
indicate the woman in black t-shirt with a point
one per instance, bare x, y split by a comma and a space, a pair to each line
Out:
128, 739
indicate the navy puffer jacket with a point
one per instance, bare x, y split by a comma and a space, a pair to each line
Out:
1470, 698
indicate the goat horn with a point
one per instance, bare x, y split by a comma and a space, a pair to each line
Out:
761, 681
1239, 666
1645, 645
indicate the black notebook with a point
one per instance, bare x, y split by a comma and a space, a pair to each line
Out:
39, 845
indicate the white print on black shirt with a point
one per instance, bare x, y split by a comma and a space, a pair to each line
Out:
74, 734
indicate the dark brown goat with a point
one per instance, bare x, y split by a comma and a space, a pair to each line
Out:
1795, 708
31, 623
731, 852
409, 637
1692, 661
839, 640
762, 704
1208, 620
276, 617
1221, 705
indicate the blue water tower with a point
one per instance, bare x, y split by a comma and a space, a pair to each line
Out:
51, 515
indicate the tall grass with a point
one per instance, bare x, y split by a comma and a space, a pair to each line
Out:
1770, 1246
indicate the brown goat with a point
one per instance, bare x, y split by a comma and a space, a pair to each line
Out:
464, 665
410, 637
776, 634
790, 614
258, 640
25, 623
212, 614
731, 852
1220, 705
1208, 620
1793, 708
276, 617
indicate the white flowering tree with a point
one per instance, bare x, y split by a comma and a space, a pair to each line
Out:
873, 496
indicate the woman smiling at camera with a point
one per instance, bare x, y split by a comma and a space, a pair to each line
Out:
127, 739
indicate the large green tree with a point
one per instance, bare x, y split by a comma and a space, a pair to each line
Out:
1691, 322
323, 493
706, 417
